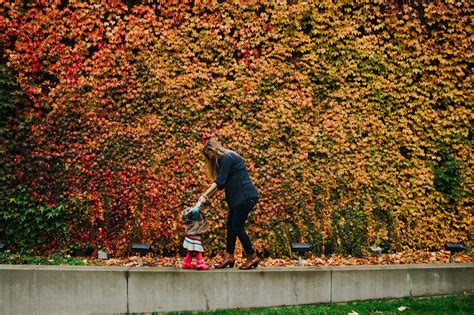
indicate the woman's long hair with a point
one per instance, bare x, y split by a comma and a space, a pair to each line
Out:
212, 151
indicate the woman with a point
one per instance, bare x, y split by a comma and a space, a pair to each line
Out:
228, 171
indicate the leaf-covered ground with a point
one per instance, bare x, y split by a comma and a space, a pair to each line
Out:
415, 257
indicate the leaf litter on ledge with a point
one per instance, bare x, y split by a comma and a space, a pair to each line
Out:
407, 257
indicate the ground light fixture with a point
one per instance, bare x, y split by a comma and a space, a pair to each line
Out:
453, 248
375, 250
300, 249
141, 249
102, 255
2, 247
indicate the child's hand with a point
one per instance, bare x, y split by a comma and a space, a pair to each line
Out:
186, 213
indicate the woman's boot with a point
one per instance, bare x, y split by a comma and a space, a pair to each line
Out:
228, 261
252, 262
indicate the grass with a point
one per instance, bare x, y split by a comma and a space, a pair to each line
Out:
457, 304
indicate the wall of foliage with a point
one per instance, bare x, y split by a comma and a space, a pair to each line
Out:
354, 118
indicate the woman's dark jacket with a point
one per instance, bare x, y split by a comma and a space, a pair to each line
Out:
234, 177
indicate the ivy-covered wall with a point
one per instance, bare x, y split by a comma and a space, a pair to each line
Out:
354, 117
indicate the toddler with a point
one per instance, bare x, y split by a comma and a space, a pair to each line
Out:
196, 225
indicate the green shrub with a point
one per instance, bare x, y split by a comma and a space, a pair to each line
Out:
349, 235
29, 227
447, 177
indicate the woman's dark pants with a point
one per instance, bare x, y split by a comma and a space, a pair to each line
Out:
235, 226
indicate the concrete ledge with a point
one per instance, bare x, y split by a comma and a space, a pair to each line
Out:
176, 290
396, 281
62, 289
27, 289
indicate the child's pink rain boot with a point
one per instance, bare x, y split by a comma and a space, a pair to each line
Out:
187, 265
187, 261
201, 265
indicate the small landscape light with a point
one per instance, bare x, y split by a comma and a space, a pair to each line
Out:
141, 249
300, 249
102, 255
375, 250
2, 247
453, 248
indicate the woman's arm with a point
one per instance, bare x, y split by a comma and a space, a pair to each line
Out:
224, 170
211, 191
219, 182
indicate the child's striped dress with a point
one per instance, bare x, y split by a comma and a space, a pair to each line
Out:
193, 243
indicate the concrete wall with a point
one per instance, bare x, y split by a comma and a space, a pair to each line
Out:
88, 290
395, 281
28, 289
172, 290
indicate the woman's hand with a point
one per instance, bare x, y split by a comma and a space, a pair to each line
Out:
203, 199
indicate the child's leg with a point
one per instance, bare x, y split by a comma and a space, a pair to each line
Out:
187, 261
201, 265
199, 257
189, 257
